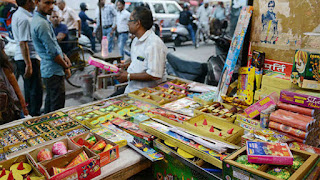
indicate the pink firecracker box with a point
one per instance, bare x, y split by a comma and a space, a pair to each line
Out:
104, 65
255, 109
269, 153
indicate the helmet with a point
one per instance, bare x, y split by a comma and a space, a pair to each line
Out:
186, 5
83, 6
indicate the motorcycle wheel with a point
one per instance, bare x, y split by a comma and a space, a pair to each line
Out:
177, 41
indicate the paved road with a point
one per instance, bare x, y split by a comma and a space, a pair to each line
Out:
186, 51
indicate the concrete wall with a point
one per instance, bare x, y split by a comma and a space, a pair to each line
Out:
290, 25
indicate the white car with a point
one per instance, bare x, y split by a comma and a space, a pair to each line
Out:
166, 13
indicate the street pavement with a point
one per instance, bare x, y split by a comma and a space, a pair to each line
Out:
187, 51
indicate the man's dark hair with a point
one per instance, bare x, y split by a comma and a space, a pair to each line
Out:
144, 15
122, 2
22, 2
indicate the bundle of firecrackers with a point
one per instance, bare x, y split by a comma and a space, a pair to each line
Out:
219, 110
279, 171
58, 148
18, 171
95, 145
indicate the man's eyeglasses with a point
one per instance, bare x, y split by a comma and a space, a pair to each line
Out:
132, 20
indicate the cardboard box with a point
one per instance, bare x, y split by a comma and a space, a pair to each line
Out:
85, 170
49, 144
132, 129
276, 80
241, 118
105, 157
234, 170
269, 153
231, 119
25, 158
162, 132
147, 97
255, 109
291, 97
110, 135
219, 126
305, 69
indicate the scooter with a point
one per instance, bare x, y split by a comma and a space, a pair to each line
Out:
181, 34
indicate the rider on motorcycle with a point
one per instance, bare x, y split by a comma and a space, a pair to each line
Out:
185, 19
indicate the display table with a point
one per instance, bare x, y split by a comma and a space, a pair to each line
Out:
128, 164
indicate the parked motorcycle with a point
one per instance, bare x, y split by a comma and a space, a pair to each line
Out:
181, 34
185, 69
216, 62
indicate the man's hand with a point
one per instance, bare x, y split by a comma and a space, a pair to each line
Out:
122, 76
123, 66
28, 71
111, 33
67, 60
68, 73
25, 111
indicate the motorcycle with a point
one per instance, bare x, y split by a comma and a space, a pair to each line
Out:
190, 70
181, 34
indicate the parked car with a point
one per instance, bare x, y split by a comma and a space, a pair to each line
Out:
165, 13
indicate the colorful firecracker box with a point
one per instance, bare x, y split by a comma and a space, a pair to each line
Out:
255, 109
269, 153
132, 128
236, 167
145, 150
305, 100
87, 169
106, 156
102, 64
305, 147
306, 69
41, 119
110, 135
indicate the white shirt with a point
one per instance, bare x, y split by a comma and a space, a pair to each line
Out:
239, 3
21, 29
204, 13
70, 18
148, 54
122, 19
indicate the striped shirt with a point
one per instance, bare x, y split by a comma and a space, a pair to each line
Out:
108, 14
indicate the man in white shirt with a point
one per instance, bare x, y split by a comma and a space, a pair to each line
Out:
148, 53
25, 56
69, 18
121, 26
203, 14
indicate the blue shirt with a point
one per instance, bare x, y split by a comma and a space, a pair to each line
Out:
62, 28
84, 18
46, 45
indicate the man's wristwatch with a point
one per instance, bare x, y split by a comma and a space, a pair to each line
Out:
128, 77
